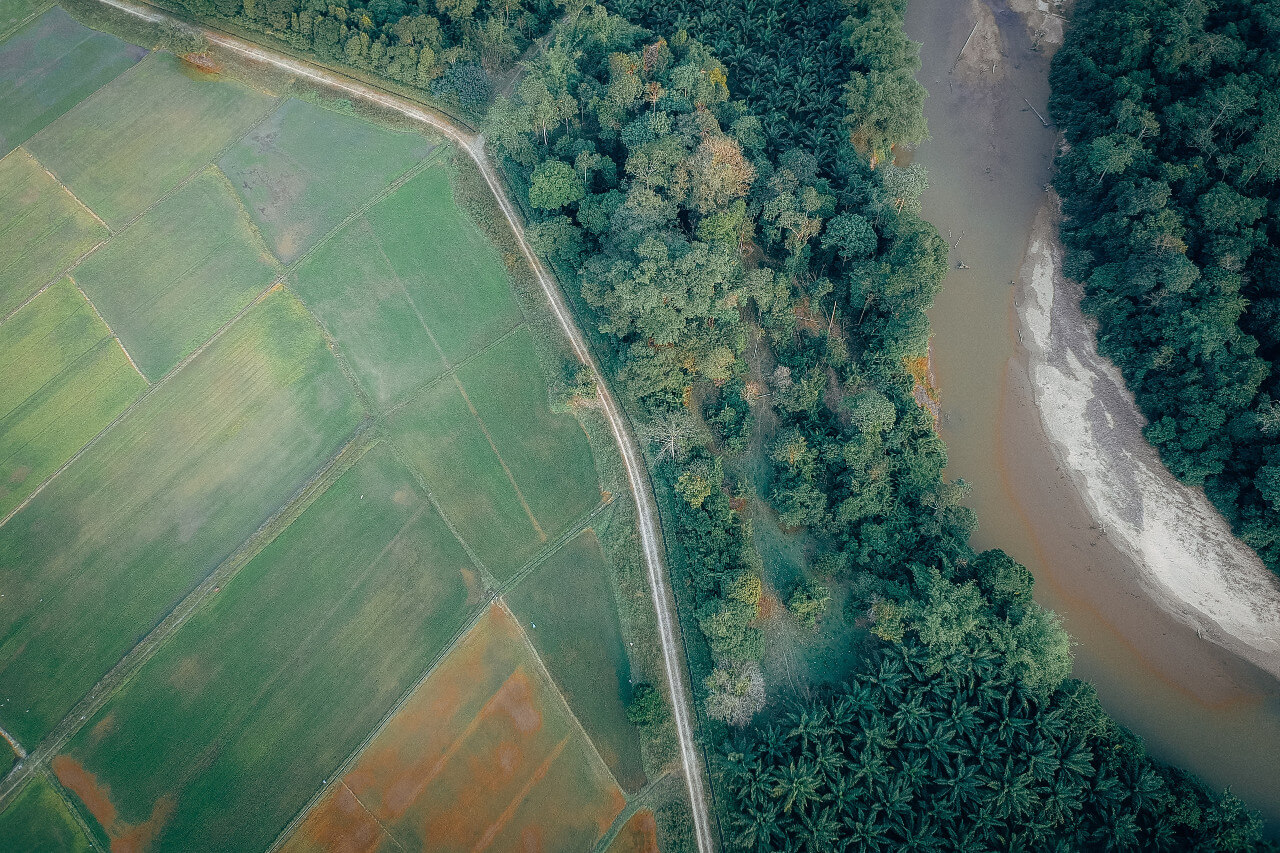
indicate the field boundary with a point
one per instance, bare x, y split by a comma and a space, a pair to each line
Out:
52, 781
110, 330
342, 460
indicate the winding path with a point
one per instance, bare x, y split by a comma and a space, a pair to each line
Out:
646, 510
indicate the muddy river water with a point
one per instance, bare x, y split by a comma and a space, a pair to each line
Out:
1195, 702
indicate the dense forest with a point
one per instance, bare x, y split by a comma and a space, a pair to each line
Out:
1171, 194
715, 186
688, 207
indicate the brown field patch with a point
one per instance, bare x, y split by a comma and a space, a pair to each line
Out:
96, 797
482, 757
639, 835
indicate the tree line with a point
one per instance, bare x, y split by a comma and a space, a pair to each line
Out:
1171, 193
449, 50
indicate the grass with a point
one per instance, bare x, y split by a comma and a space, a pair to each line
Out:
38, 821
567, 608
99, 556
14, 13
359, 300
448, 267
482, 756
547, 452
65, 379
177, 274
305, 168
256, 700
439, 437
43, 229
118, 158
49, 66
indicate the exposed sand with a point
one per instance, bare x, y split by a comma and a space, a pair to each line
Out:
1190, 563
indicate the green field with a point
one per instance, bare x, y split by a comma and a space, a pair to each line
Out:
239, 718
14, 13
118, 159
48, 67
43, 229
98, 557
362, 304
547, 452
511, 475
285, 170
594, 676
451, 272
178, 273
39, 821
440, 438
67, 378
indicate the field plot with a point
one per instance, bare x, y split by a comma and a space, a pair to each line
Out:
638, 835
233, 724
452, 273
99, 556
547, 452
48, 66
358, 298
39, 821
65, 379
483, 756
568, 598
13, 13
441, 439
176, 275
293, 171
137, 137
511, 475
43, 229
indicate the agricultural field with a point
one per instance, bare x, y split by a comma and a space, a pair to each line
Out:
69, 379
638, 835
43, 230
112, 153
39, 819
276, 450
177, 274
483, 756
593, 676
49, 66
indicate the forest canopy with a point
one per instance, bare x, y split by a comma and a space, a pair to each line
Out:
1171, 193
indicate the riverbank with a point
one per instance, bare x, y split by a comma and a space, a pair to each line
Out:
1197, 703
1186, 558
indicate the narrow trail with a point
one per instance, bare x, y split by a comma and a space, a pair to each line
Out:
646, 511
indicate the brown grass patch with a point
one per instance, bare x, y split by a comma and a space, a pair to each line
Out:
639, 835
96, 797
481, 757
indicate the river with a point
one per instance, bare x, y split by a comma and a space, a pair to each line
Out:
1196, 703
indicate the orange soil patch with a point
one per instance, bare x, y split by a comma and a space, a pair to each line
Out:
640, 835
125, 837
95, 796
483, 756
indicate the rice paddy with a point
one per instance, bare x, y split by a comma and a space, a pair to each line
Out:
275, 442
